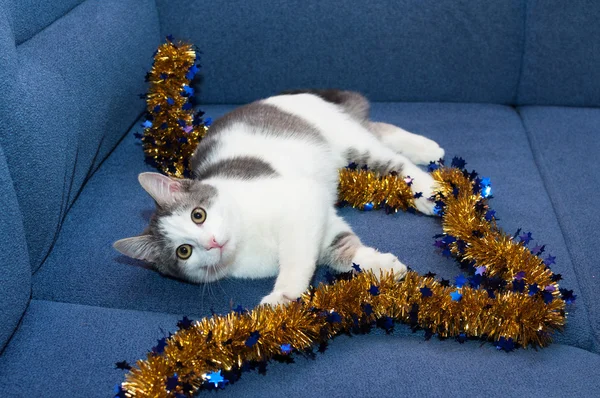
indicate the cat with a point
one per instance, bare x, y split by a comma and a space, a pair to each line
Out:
261, 202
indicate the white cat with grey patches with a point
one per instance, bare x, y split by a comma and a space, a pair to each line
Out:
261, 202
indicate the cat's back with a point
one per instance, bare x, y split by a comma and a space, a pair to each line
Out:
279, 136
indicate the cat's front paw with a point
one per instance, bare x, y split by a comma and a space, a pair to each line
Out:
424, 186
276, 298
424, 151
370, 259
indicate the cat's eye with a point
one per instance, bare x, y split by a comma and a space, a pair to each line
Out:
184, 252
198, 215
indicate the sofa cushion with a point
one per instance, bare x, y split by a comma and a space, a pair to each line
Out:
84, 268
15, 273
566, 144
392, 50
68, 100
561, 53
67, 350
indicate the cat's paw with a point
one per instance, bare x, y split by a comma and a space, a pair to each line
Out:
275, 298
423, 150
425, 186
370, 259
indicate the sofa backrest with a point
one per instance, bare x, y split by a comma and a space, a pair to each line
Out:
70, 73
391, 50
561, 61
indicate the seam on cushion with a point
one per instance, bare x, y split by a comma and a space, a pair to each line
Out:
106, 308
18, 325
517, 91
537, 157
89, 175
50, 24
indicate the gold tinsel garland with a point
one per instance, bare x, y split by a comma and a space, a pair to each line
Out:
172, 129
526, 312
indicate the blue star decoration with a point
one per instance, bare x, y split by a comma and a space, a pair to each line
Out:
432, 166
184, 323
520, 275
526, 238
119, 392
253, 339
334, 317
533, 289
456, 296
170, 101
356, 267
548, 261
368, 206
489, 215
459, 163
547, 297
172, 382
368, 309
480, 270
539, 249
286, 349
216, 378
486, 187
460, 280
426, 292
461, 338
191, 72
374, 290
505, 344
240, 310
567, 295
208, 121
147, 124
123, 365
160, 346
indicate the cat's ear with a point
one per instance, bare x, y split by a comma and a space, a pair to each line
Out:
163, 189
138, 247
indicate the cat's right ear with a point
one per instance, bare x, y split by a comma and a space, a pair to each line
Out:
138, 247
163, 189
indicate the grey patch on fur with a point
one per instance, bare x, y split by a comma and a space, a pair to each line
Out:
364, 159
355, 156
194, 194
207, 147
267, 119
353, 103
343, 248
241, 167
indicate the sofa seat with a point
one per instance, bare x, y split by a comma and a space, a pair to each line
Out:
566, 145
70, 350
86, 276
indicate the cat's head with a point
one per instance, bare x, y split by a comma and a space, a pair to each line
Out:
190, 235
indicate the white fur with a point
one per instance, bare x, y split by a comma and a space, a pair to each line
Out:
284, 225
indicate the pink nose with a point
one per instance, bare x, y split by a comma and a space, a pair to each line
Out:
214, 244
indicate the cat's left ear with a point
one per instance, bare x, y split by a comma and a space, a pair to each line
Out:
164, 190
139, 247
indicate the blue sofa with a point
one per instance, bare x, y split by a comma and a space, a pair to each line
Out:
513, 86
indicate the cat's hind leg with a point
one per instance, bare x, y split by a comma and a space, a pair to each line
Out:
418, 149
342, 248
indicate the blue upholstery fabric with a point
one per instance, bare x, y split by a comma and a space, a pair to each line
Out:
76, 353
66, 350
69, 97
568, 170
562, 53
15, 274
407, 50
32, 16
83, 267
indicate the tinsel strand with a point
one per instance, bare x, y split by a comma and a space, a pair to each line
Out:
223, 342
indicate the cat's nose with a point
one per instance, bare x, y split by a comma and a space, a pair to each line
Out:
213, 244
